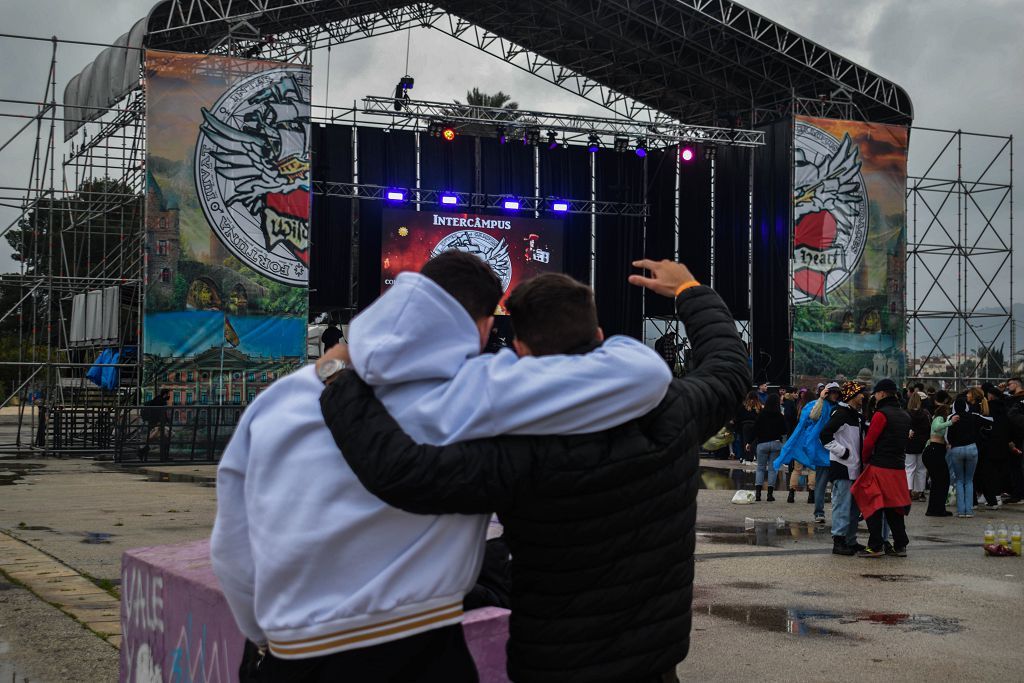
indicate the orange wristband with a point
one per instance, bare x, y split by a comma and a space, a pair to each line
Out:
687, 285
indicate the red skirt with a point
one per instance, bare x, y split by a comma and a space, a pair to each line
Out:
880, 487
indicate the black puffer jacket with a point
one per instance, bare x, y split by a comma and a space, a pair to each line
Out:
601, 526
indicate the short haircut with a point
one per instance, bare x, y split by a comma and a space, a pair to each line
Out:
468, 279
553, 314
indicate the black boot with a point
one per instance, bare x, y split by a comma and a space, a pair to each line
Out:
810, 496
771, 498
792, 496
839, 547
757, 494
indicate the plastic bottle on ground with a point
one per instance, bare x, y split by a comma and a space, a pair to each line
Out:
1002, 536
1015, 539
990, 534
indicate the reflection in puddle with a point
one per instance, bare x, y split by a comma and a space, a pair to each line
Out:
13, 472
718, 479
94, 537
897, 578
801, 622
763, 532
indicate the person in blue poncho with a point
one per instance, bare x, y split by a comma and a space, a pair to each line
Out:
804, 447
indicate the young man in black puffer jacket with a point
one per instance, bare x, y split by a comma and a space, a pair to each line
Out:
600, 526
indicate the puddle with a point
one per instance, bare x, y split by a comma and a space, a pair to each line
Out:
96, 537
13, 472
6, 586
806, 622
718, 479
897, 578
749, 585
764, 532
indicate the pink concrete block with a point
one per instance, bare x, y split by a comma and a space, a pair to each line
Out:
177, 626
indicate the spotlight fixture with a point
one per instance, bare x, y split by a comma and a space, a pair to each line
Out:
511, 204
552, 140
448, 134
687, 154
559, 206
641, 147
402, 91
395, 196
531, 136
621, 144
594, 144
709, 152
502, 133
449, 199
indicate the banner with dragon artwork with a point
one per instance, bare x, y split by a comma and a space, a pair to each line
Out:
849, 251
227, 226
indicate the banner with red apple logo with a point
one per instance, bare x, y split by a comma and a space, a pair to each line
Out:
849, 249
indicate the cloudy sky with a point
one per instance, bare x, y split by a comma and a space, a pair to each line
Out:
961, 62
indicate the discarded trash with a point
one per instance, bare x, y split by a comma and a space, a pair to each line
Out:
743, 497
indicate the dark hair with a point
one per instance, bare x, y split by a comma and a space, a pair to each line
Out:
468, 279
772, 404
553, 313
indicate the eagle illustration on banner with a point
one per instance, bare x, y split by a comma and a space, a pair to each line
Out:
253, 172
829, 212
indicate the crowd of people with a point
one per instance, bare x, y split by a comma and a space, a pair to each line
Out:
882, 449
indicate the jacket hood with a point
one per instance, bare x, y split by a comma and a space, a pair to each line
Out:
415, 331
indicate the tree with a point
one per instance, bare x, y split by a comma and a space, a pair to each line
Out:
991, 362
499, 100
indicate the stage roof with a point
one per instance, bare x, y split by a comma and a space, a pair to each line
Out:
696, 61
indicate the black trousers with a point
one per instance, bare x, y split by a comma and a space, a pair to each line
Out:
438, 656
987, 481
1016, 475
938, 472
897, 527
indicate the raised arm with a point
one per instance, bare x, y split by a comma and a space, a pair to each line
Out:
470, 477
712, 390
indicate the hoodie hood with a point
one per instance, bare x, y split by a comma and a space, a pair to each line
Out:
415, 331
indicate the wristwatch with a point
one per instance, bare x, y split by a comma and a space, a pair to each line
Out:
327, 370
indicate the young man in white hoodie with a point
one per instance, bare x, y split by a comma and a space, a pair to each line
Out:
329, 578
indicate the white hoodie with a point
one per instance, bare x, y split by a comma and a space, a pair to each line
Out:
311, 562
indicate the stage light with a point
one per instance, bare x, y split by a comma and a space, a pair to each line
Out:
511, 204
552, 140
448, 134
531, 136
709, 152
402, 91
641, 147
621, 144
502, 134
593, 143
559, 206
687, 154
395, 196
449, 199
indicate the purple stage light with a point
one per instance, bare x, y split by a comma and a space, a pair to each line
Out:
449, 200
395, 196
511, 204
687, 154
560, 207
641, 152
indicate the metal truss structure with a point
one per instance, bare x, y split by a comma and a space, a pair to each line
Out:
667, 70
962, 326
575, 125
473, 200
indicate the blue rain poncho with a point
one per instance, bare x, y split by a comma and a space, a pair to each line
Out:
803, 445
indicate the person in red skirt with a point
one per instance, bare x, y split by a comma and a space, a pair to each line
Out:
881, 489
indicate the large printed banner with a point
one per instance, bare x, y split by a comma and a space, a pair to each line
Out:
516, 248
849, 250
227, 218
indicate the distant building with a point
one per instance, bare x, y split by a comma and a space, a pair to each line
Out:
163, 243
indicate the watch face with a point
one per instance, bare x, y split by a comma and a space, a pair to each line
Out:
329, 368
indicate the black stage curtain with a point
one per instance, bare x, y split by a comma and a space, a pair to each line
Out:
386, 158
772, 225
330, 251
732, 229
565, 174
506, 169
447, 166
620, 240
695, 216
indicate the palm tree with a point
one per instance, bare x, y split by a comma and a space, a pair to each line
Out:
499, 100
